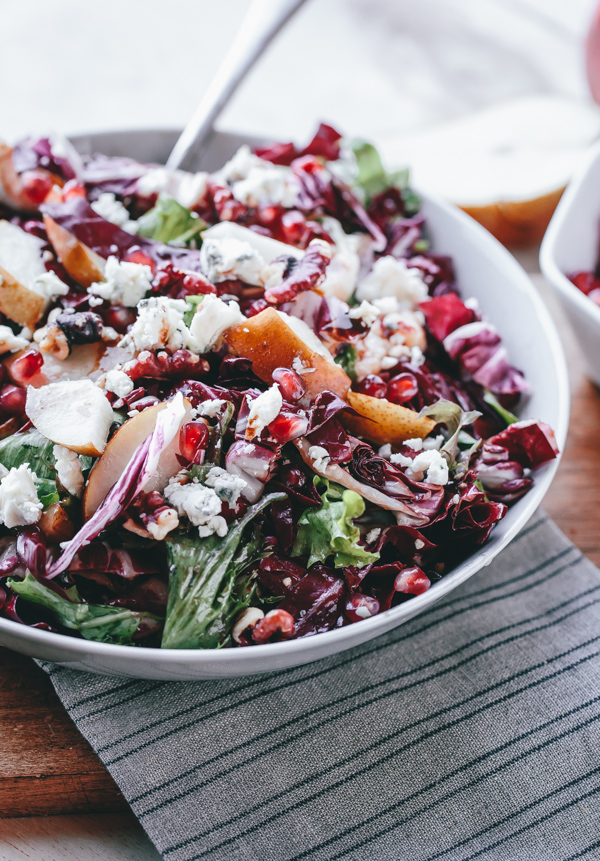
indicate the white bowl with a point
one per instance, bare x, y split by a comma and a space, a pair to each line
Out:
508, 299
572, 244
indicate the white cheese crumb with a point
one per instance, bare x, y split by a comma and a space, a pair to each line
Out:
365, 312
68, 468
320, 457
419, 544
108, 207
209, 322
124, 283
50, 286
433, 442
385, 451
456, 499
9, 342
372, 536
19, 503
257, 182
94, 301
227, 486
392, 277
159, 324
415, 444
263, 410
362, 612
118, 382
201, 505
432, 462
209, 408
228, 259
417, 357
188, 189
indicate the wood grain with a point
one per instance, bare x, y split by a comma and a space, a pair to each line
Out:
46, 767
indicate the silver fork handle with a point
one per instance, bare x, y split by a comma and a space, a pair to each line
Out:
262, 22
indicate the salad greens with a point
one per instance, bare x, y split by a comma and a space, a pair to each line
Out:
98, 622
346, 357
169, 221
374, 179
330, 529
210, 582
36, 451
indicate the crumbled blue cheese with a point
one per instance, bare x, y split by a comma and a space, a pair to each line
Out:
159, 324
209, 322
49, 285
19, 503
68, 468
392, 277
432, 442
124, 283
227, 486
417, 357
372, 536
118, 382
263, 410
365, 312
230, 258
319, 456
201, 505
108, 207
430, 461
416, 444
9, 342
188, 189
257, 182
342, 273
209, 408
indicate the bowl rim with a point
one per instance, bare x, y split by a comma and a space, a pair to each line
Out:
562, 215
248, 658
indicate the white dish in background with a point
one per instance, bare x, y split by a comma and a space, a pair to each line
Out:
507, 298
572, 244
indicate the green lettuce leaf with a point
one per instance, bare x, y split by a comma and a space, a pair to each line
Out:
93, 621
169, 221
506, 415
346, 359
373, 178
38, 452
330, 529
455, 419
210, 582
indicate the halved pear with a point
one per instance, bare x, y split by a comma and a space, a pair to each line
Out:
73, 413
83, 265
20, 264
118, 453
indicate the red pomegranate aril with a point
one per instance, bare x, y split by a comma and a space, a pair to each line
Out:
119, 317
373, 386
412, 581
36, 185
361, 607
73, 189
293, 225
136, 255
193, 439
402, 388
290, 384
12, 400
26, 366
288, 426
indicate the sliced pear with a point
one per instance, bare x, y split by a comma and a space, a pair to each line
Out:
20, 264
272, 340
268, 248
83, 265
73, 413
381, 421
118, 453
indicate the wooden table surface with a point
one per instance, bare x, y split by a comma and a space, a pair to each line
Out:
47, 768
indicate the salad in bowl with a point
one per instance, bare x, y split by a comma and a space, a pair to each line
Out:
241, 407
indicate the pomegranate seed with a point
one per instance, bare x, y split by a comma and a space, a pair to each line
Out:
290, 384
26, 366
136, 255
373, 386
72, 189
293, 225
267, 215
402, 388
118, 317
36, 185
412, 580
288, 426
12, 400
361, 607
193, 439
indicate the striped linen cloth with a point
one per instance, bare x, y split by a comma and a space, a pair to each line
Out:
473, 731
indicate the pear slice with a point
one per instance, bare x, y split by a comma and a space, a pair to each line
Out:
381, 421
20, 264
273, 339
83, 265
118, 454
267, 247
73, 413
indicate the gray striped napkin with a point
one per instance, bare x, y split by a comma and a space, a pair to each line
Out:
471, 732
